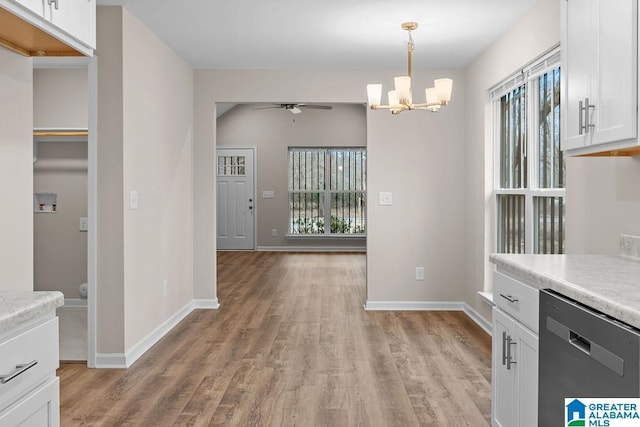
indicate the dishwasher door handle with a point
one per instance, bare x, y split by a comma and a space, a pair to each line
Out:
588, 347
579, 342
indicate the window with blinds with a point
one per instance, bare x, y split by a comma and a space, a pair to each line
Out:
327, 191
530, 168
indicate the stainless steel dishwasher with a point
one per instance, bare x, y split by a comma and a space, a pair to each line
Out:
582, 353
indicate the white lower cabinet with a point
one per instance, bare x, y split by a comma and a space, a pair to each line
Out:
514, 365
29, 388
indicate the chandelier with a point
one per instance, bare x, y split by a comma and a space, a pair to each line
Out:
401, 98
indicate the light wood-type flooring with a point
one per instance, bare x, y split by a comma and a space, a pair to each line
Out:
292, 345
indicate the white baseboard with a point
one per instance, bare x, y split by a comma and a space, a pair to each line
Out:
156, 335
476, 317
430, 306
125, 360
111, 360
210, 304
311, 249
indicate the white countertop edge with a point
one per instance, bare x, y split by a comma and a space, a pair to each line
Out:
582, 278
18, 307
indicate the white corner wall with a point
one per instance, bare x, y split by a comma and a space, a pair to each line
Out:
533, 34
110, 224
145, 113
16, 171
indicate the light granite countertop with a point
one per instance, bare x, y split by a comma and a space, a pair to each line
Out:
607, 283
17, 307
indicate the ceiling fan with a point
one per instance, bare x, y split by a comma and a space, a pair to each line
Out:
296, 108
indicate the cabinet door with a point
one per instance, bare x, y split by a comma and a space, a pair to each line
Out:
527, 376
39, 408
75, 17
504, 380
578, 41
599, 64
615, 97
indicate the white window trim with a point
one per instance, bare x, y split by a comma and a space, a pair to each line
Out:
528, 75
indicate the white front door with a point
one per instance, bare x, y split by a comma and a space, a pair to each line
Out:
235, 199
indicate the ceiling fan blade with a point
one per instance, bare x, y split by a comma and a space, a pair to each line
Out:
316, 107
264, 108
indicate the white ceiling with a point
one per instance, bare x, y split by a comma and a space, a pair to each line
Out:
325, 34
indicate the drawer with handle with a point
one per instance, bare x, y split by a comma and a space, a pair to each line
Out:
27, 359
517, 299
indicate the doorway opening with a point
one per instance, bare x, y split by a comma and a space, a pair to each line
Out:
65, 196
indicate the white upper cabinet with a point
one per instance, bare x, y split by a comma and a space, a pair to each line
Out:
75, 17
72, 23
599, 75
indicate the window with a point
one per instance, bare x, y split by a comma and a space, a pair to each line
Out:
327, 191
530, 168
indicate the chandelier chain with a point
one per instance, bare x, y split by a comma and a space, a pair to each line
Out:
410, 43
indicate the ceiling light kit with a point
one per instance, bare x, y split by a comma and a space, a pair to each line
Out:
401, 98
296, 108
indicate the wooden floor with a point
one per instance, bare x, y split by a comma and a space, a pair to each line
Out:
292, 345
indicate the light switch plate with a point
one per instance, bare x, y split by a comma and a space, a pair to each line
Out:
385, 198
84, 224
268, 194
133, 199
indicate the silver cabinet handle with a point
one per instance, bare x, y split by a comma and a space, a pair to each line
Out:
587, 106
55, 3
583, 123
20, 369
504, 348
510, 361
580, 117
509, 298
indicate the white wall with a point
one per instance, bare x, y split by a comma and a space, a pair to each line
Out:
272, 131
158, 117
145, 96
419, 157
533, 34
16, 171
603, 201
110, 212
60, 248
60, 98
414, 231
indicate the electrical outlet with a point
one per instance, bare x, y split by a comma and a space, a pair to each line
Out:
419, 273
274, 232
165, 287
